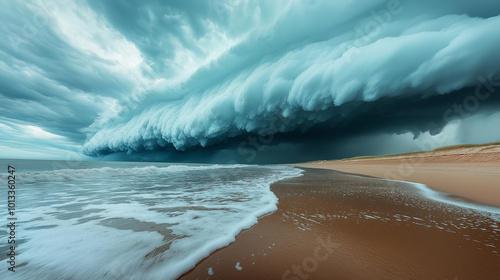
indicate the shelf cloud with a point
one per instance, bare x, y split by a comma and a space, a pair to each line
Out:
201, 79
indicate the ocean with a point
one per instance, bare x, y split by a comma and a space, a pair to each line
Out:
124, 220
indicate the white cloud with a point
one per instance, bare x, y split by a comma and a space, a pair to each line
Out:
37, 132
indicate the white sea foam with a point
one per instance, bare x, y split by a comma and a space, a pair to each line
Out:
92, 173
140, 223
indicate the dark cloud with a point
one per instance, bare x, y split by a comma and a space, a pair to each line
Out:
274, 81
363, 129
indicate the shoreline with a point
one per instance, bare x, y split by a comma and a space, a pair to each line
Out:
472, 174
334, 225
479, 184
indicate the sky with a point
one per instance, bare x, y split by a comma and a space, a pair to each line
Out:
246, 81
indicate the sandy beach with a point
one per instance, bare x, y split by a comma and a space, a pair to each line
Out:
332, 225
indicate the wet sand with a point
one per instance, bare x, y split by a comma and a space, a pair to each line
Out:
476, 183
470, 173
331, 225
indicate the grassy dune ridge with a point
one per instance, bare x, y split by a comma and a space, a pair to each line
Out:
442, 149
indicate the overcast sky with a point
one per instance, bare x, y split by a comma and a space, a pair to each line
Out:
246, 81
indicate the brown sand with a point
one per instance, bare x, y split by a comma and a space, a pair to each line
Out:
472, 173
331, 225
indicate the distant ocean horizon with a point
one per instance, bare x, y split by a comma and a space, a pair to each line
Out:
131, 220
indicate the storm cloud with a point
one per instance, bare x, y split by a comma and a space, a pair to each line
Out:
227, 80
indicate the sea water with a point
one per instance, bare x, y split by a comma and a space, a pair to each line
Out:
130, 220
